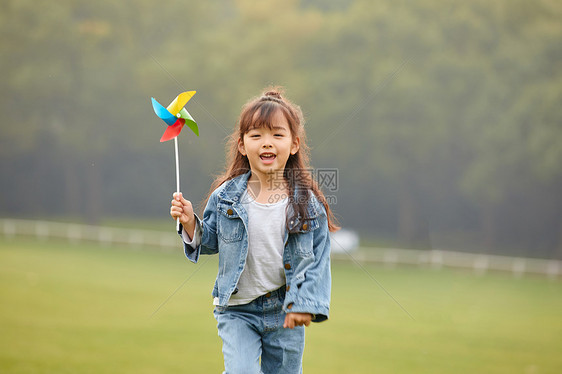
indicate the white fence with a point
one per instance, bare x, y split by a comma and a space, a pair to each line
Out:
479, 263
44, 230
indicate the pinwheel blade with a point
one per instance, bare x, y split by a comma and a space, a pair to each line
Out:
189, 121
180, 101
173, 130
163, 113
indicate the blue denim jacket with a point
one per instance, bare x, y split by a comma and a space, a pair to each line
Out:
306, 258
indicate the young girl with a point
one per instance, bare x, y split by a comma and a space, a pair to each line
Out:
269, 222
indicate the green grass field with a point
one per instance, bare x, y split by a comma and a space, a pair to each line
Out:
69, 308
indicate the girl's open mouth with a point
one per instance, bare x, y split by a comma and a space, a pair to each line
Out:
268, 157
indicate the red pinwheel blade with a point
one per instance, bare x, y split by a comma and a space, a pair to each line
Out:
173, 131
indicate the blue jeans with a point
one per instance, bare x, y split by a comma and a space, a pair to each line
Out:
256, 329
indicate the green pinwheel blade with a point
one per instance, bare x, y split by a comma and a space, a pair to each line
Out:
189, 121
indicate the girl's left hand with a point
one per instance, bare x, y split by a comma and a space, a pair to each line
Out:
297, 319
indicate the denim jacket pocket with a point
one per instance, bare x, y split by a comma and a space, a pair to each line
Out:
304, 238
230, 227
303, 244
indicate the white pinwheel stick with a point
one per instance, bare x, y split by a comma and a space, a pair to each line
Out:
177, 176
176, 116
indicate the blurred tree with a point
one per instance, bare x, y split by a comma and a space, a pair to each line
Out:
440, 116
522, 83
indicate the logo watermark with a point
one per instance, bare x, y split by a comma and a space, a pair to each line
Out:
327, 180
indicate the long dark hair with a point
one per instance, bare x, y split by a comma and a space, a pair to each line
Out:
297, 171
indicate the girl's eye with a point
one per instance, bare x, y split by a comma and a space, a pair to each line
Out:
279, 135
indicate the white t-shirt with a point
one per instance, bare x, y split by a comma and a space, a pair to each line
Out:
263, 271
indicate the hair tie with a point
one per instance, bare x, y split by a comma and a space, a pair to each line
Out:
274, 94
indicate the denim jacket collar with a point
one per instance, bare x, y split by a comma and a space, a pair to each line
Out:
234, 188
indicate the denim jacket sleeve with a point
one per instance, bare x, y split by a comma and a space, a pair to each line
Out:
205, 233
313, 295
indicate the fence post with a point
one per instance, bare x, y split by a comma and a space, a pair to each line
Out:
436, 259
73, 233
105, 236
553, 269
41, 230
390, 258
9, 228
481, 264
518, 267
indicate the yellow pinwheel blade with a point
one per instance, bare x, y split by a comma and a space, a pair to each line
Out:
180, 101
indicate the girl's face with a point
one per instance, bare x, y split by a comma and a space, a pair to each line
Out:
269, 149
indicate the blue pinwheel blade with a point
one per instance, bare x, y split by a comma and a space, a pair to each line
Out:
163, 113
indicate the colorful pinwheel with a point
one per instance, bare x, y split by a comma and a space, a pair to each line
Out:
176, 116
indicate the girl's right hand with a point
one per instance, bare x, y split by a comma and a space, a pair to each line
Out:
183, 210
